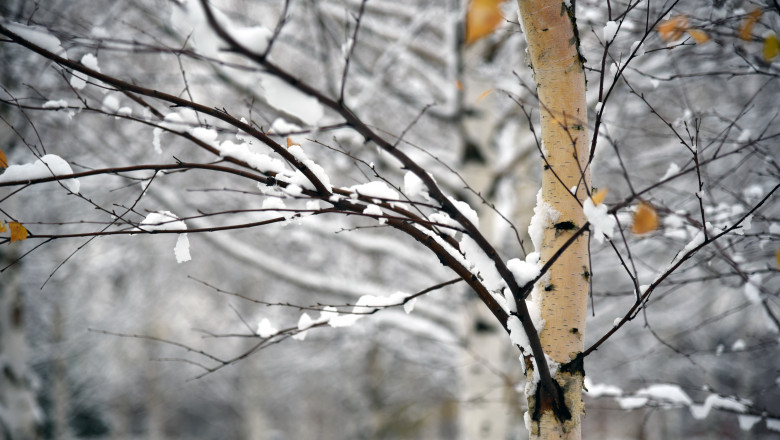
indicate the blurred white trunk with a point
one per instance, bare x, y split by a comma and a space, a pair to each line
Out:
490, 407
19, 411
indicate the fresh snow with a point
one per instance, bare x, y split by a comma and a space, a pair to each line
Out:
544, 216
162, 221
378, 189
525, 271
600, 389
637, 48
738, 345
666, 393
444, 219
481, 264
517, 334
631, 402
375, 210
258, 161
90, 61
61, 103
182, 249
265, 329
414, 186
610, 30
254, 38
746, 421
78, 79
167, 221
47, 166
601, 222
304, 323
671, 171
38, 36
110, 104
317, 170
700, 412
272, 203
466, 210
282, 127
367, 304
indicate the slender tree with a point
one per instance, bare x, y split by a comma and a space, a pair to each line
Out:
272, 141
553, 47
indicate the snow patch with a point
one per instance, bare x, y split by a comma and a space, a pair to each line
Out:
375, 210
700, 412
299, 178
746, 421
38, 36
631, 402
525, 271
265, 329
481, 264
610, 30
414, 186
367, 304
466, 210
666, 393
258, 161
378, 189
47, 166
601, 222
61, 103
544, 216
598, 390
182, 249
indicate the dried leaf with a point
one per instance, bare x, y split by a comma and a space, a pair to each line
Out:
771, 47
3, 160
484, 94
459, 85
699, 36
2, 227
18, 232
598, 196
645, 219
673, 28
777, 257
290, 142
482, 18
746, 29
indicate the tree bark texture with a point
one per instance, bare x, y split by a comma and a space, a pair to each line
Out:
553, 45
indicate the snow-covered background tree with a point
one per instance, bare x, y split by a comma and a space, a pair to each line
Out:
310, 219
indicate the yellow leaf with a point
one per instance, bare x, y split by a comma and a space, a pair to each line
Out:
3, 160
777, 257
2, 227
673, 28
771, 47
645, 219
746, 29
699, 36
598, 196
290, 142
18, 232
482, 18
484, 94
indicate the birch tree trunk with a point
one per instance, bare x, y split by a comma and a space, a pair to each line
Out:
553, 51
